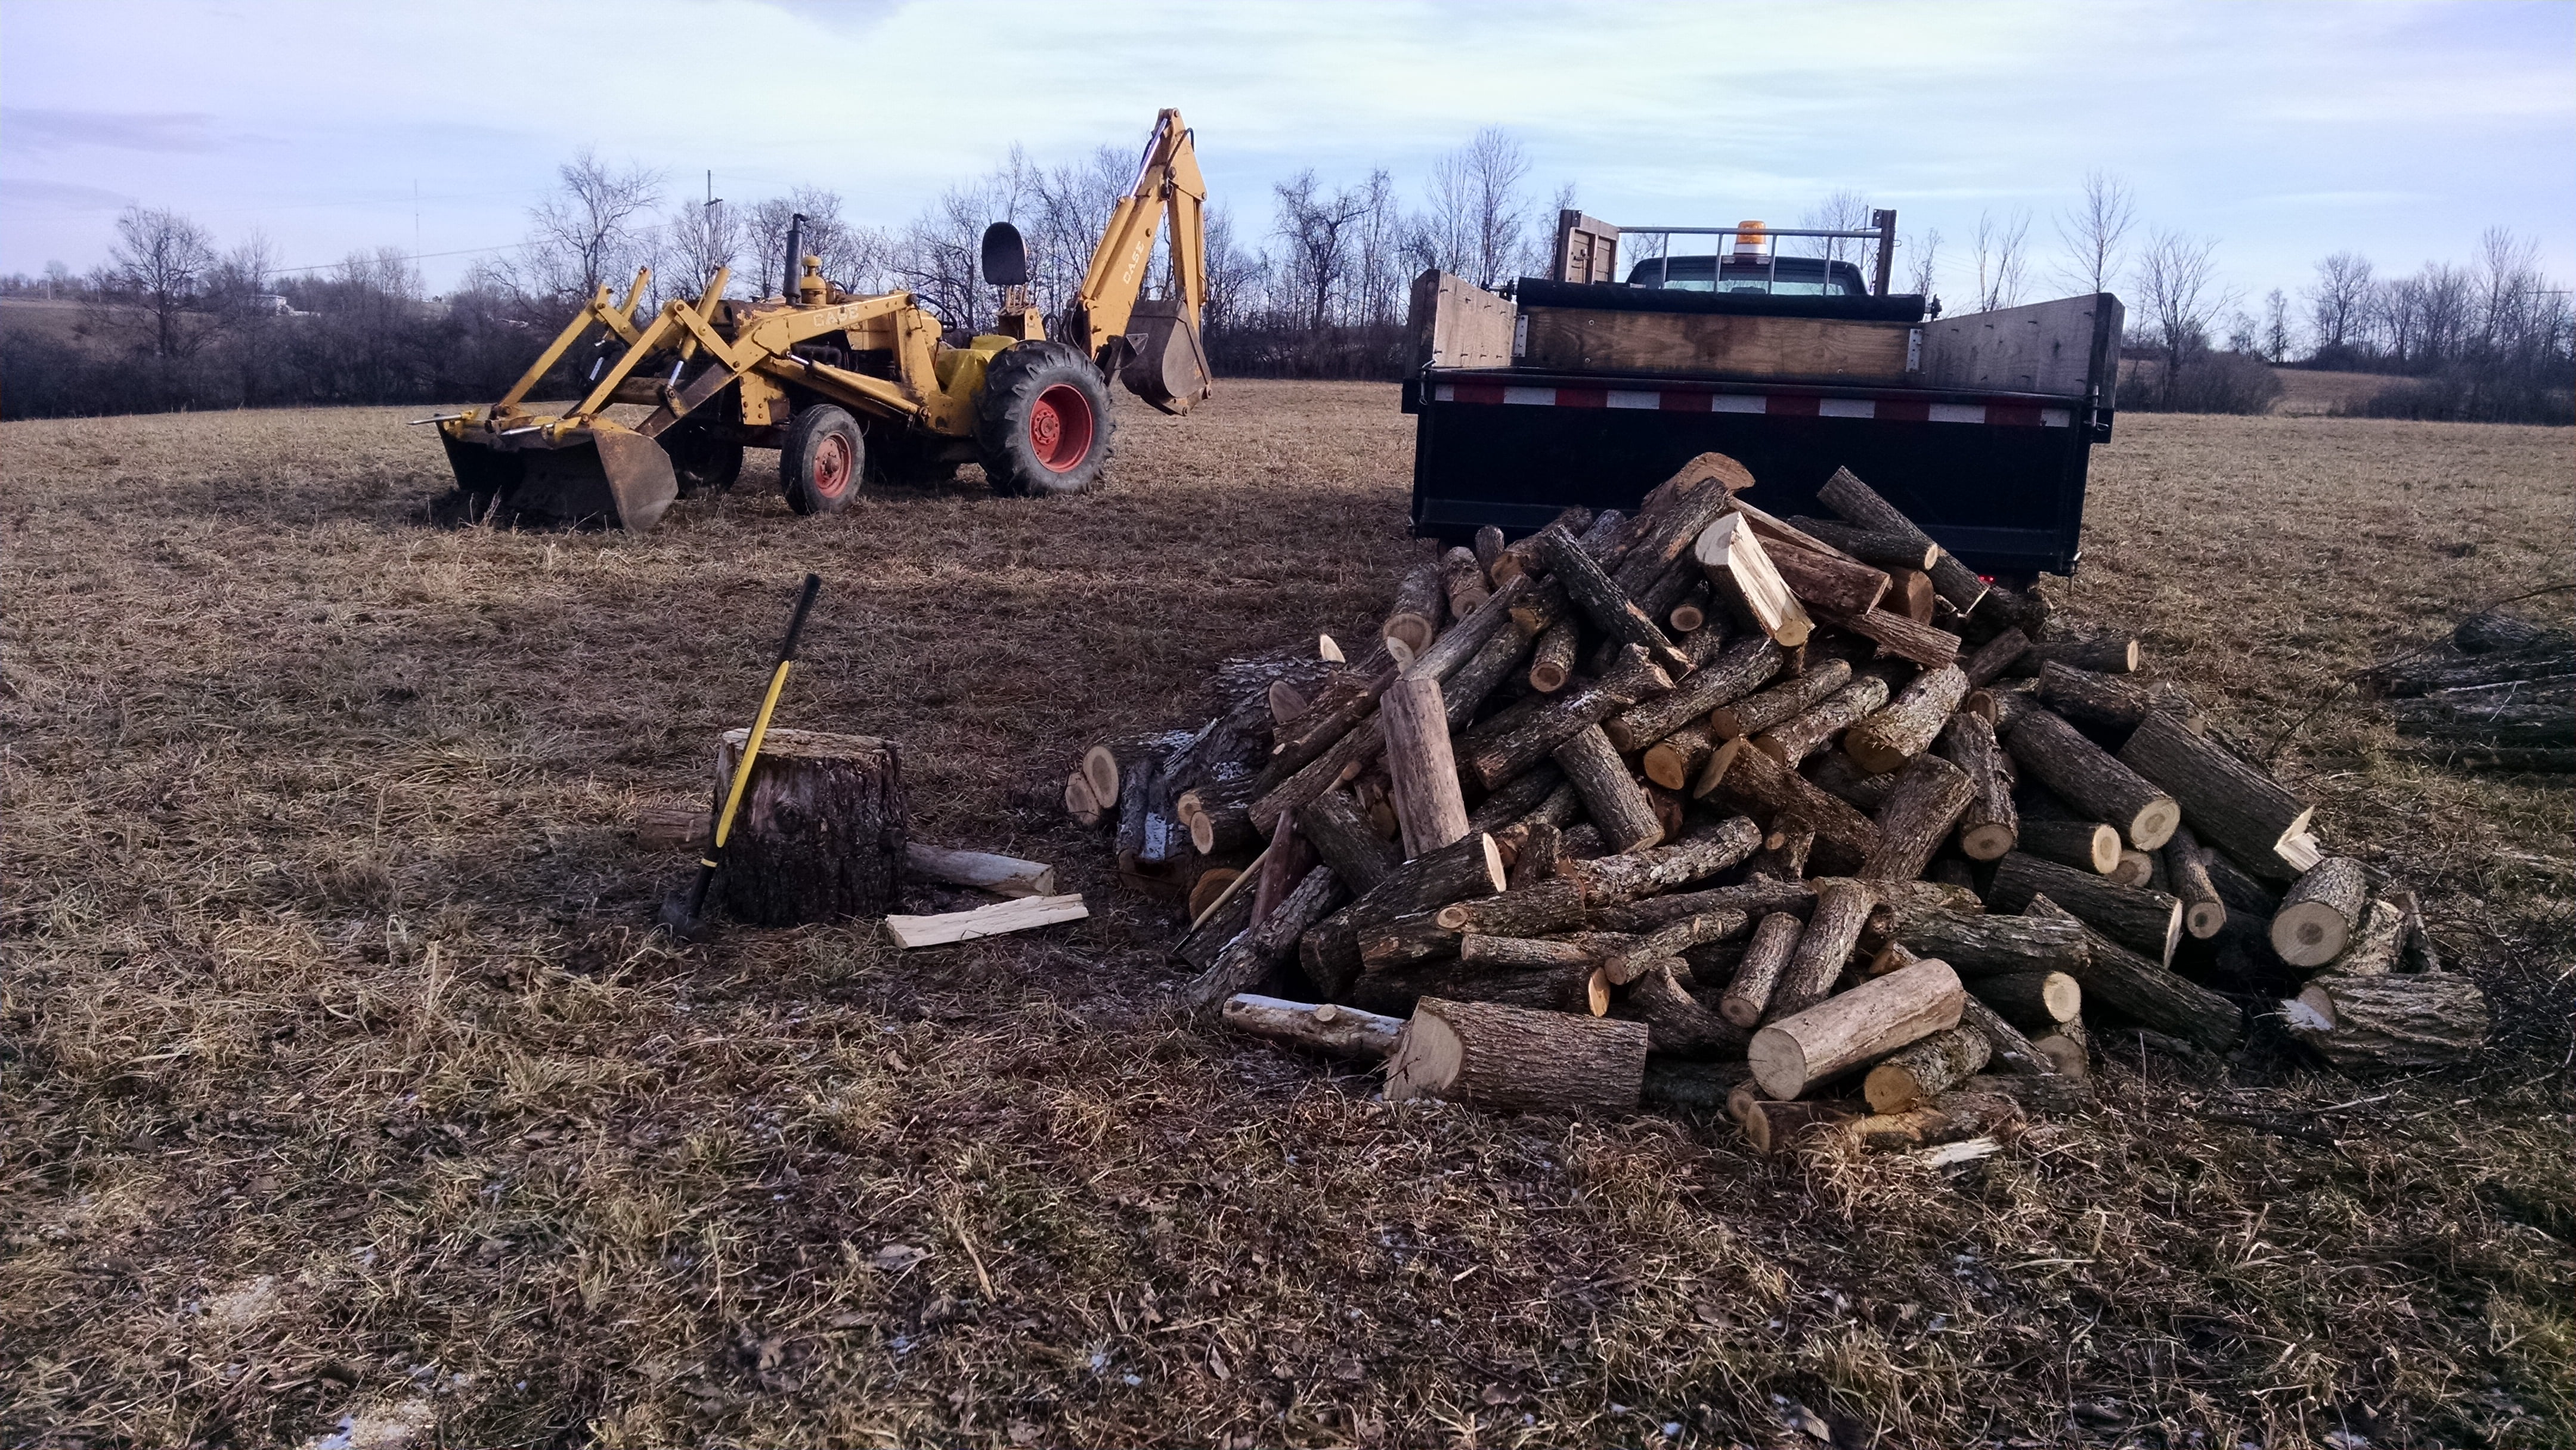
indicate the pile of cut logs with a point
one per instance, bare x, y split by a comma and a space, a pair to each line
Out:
1796, 816
2501, 696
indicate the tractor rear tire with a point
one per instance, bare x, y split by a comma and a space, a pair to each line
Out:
820, 463
700, 462
1042, 423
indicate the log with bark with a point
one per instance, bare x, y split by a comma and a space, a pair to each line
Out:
1834, 773
1676, 760
2084, 845
1822, 581
2375, 946
1742, 778
1923, 1070
1955, 1117
1907, 725
1757, 976
1611, 796
1463, 582
821, 832
2107, 705
1756, 713
1609, 880
1754, 897
2102, 654
1420, 608
1792, 1055
2092, 780
1515, 1058
1269, 943
1774, 1127
1675, 1021
1793, 740
1343, 839
2033, 1001
1741, 668
1886, 548
2147, 922
1611, 611
1507, 752
2231, 805
1325, 1027
2418, 1020
1990, 826
1424, 775
1673, 1082
1981, 945
1824, 948
2319, 912
1784, 852
1929, 796
2121, 979
2012, 1051
2204, 912
1856, 501
1995, 657
1907, 639
1001, 875
1552, 656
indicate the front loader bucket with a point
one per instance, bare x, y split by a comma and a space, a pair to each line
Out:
1164, 364
593, 478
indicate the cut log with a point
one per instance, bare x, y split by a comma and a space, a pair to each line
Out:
821, 831
2146, 922
1923, 1070
1520, 796
2105, 703
1549, 906
1489, 548
1269, 942
1982, 945
1823, 582
1463, 582
1885, 548
1343, 761
1423, 774
1741, 668
1737, 564
1929, 796
1907, 725
2231, 805
1784, 852
1745, 779
1521, 953
1793, 1054
1675, 1021
1602, 601
1773, 1127
2204, 912
1343, 839
1835, 773
2085, 845
1611, 796
1283, 864
1696, 857
1513, 1058
2134, 868
1680, 1083
1403, 942
1416, 618
1465, 692
1823, 949
1325, 1027
1080, 803
1552, 657
1339, 710
2033, 1001
1623, 964
2089, 778
690, 825
1001, 875
1793, 740
1904, 638
1748, 996
1526, 742
997, 919
1991, 825
1673, 514
2416, 1020
2012, 1051
2124, 981
1539, 852
1995, 657
2103, 654
2319, 912
1753, 897
1785, 702
1456, 872
1846, 495
1677, 759
1690, 614
2067, 1050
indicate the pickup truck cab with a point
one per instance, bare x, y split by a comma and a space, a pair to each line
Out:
1774, 277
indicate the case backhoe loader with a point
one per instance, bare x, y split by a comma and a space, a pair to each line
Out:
854, 388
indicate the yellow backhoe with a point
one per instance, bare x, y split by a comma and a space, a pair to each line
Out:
852, 389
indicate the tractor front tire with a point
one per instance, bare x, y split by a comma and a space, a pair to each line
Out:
700, 462
820, 463
1042, 423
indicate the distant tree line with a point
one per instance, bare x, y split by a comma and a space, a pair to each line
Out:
173, 320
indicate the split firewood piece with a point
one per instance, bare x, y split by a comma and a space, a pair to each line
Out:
1602, 601
1680, 1083
1886, 548
1990, 827
1822, 581
2103, 654
1552, 657
2093, 781
2134, 868
2319, 912
2147, 922
2411, 1020
1923, 1070
1742, 778
1514, 1058
1740, 668
1910, 593
1326, 1027
2033, 1001
1345, 841
1463, 582
1793, 740
2231, 805
2302, 852
1737, 564
1907, 639
1420, 607
1423, 773
2106, 703
995, 920
1752, 897
1754, 714
1995, 657
1907, 725
1675, 1021
1784, 852
1618, 805
2085, 845
1001, 875
1625, 964
1955, 1117
2165, 1001
1929, 796
1774, 1127
1531, 739
1823, 949
1793, 1054
1846, 495
2204, 911
1270, 941
2016, 1053
1748, 995
1982, 945
1833, 772
1612, 879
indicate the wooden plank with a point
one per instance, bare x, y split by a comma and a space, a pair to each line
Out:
1587, 249
1575, 338
2046, 347
995, 920
1457, 324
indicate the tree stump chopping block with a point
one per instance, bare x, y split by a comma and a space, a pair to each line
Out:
821, 831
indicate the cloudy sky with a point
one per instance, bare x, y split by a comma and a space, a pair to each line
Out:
2284, 131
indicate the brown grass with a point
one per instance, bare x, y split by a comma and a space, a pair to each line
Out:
339, 1074
2308, 393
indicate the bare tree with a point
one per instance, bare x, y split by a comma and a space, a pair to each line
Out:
2001, 258
1840, 211
2338, 300
2095, 232
1927, 262
2179, 290
1377, 251
591, 229
1234, 276
2276, 325
155, 278
1069, 209
703, 238
1478, 209
1315, 229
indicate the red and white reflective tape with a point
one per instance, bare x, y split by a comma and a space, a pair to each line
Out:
1784, 405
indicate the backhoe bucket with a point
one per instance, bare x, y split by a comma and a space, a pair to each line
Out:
594, 477
1164, 364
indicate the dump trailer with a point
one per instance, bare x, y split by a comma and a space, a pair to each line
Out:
1586, 388
853, 388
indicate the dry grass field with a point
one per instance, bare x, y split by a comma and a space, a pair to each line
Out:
341, 1074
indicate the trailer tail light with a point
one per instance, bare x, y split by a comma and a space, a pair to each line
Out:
1749, 238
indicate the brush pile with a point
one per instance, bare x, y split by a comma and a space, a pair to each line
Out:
2501, 696
1799, 816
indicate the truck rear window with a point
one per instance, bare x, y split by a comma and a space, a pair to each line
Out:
1788, 277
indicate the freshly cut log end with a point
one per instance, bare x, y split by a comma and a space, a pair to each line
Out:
2319, 912
1673, 761
1322, 1026
2033, 1001
2065, 1051
1100, 771
2093, 780
1797, 1052
1517, 1058
1079, 802
1552, 657
1419, 607
2086, 845
2417, 1020
1991, 841
2133, 868
2204, 911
